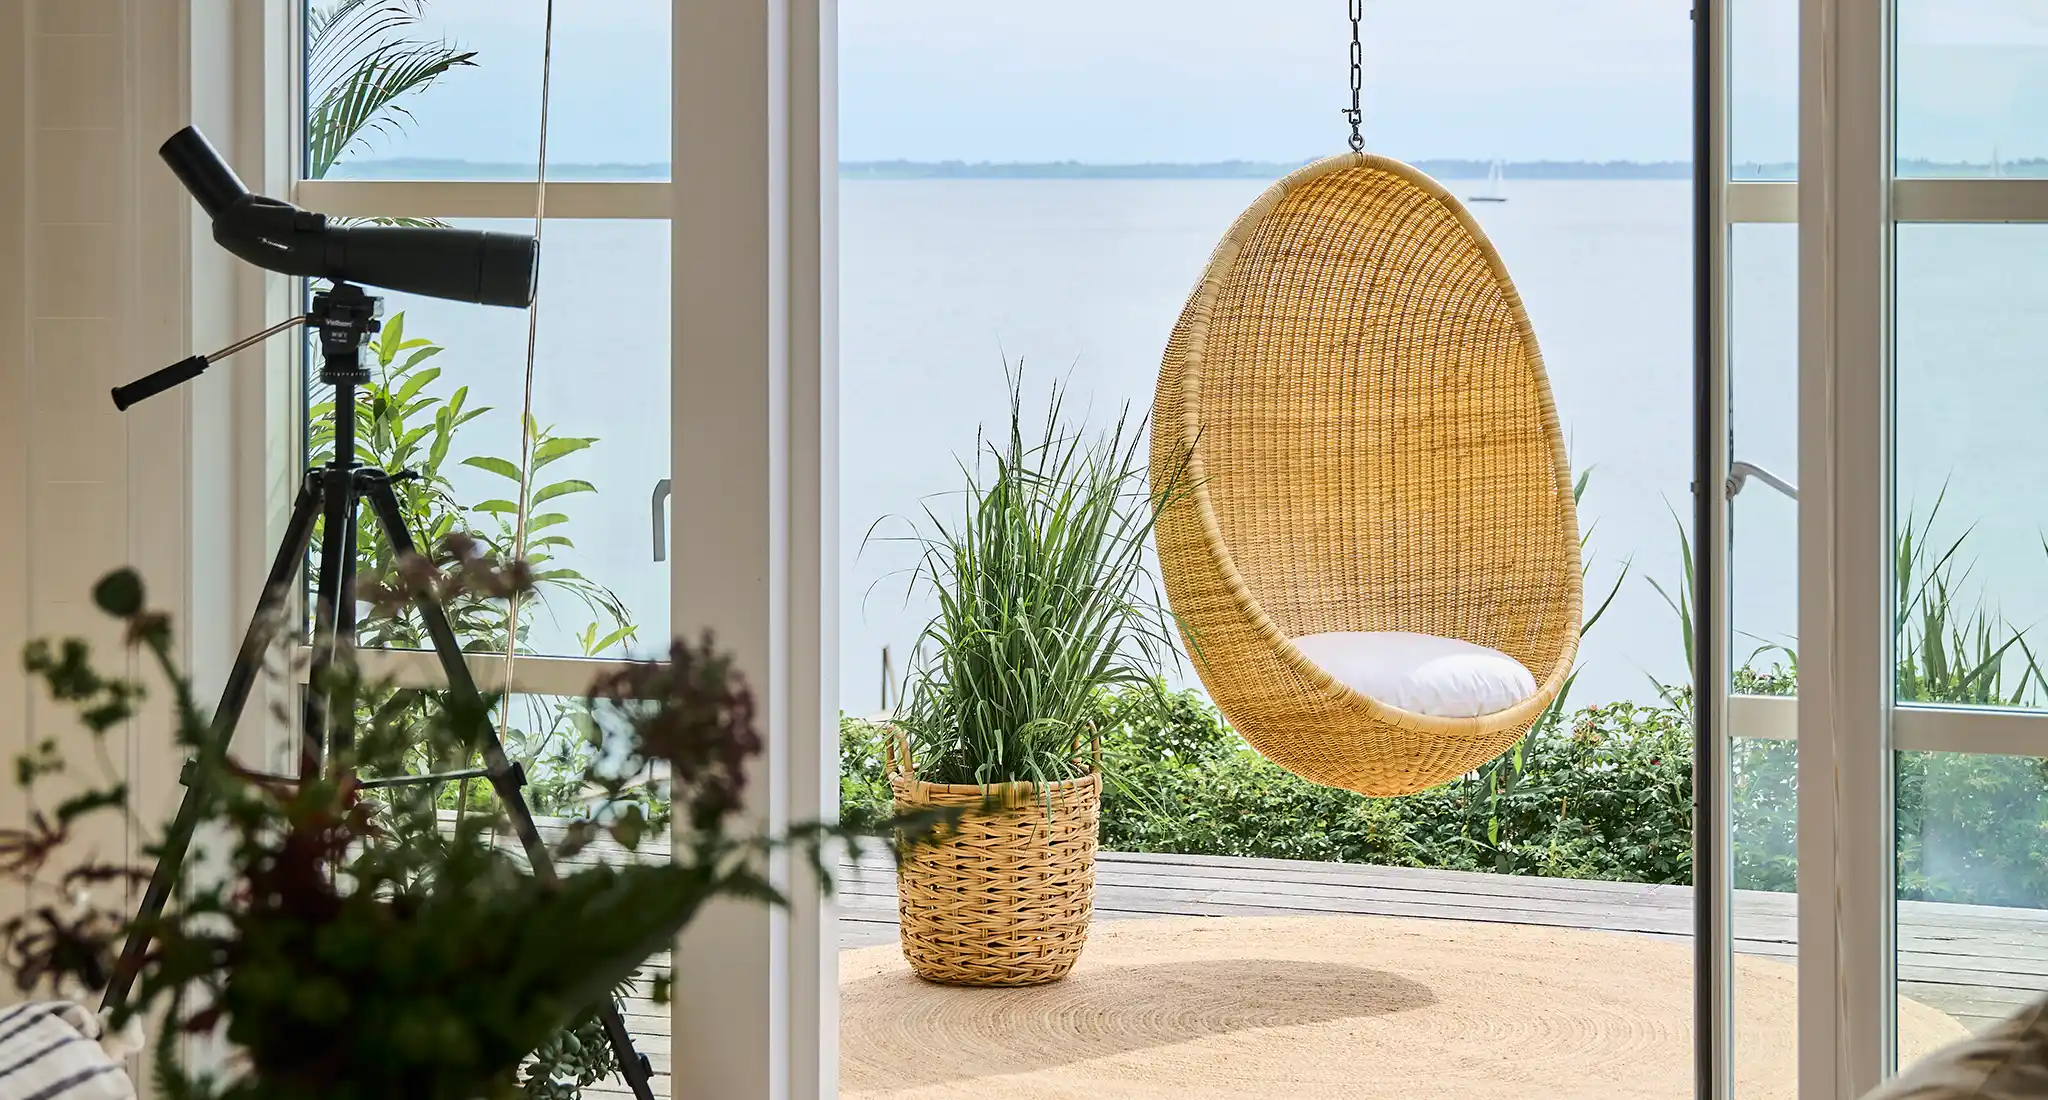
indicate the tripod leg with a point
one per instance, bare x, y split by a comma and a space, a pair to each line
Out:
263, 628
504, 778
336, 508
342, 736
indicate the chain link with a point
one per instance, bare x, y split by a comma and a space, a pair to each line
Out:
1355, 114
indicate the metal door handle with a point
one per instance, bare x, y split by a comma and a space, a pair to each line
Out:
660, 516
1739, 474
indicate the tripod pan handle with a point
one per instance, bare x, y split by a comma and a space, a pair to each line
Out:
149, 385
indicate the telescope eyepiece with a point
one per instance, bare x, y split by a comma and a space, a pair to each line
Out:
199, 167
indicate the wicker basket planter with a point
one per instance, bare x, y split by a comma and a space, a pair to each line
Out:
1005, 900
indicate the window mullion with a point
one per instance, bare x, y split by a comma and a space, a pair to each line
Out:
531, 675
647, 200
1970, 200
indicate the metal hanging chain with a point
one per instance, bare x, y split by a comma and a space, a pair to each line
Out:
1355, 114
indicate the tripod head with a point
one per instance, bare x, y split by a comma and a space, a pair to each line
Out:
344, 317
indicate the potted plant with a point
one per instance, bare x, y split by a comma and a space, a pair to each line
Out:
344, 948
1044, 600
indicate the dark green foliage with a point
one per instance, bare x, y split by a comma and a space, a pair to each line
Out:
1605, 795
1182, 781
863, 788
569, 1061
1973, 828
356, 949
1551, 807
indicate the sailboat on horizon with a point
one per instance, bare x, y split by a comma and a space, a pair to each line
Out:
1496, 185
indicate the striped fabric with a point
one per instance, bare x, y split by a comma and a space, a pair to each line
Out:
49, 1050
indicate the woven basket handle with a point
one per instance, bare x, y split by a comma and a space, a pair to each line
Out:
896, 753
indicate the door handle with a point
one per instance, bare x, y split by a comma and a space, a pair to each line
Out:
661, 494
1739, 474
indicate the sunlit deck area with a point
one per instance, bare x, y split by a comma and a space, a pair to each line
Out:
1975, 963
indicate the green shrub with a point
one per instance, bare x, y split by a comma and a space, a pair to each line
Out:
1180, 781
863, 787
1606, 794
1973, 828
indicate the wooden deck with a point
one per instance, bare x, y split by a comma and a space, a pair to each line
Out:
1976, 963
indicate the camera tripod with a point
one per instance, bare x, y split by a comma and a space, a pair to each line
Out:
344, 317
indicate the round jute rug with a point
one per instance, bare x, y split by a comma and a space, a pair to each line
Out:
1364, 1007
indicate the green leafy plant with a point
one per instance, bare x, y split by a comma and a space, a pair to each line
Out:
1501, 774
359, 66
1043, 600
1948, 652
348, 949
407, 420
404, 423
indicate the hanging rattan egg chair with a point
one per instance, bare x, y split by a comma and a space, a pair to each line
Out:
1354, 445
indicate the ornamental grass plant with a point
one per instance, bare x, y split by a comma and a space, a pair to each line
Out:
1045, 598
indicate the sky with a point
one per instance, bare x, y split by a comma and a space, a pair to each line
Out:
1126, 81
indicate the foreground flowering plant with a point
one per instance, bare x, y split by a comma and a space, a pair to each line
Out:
347, 948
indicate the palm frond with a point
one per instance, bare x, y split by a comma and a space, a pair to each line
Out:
358, 66
363, 103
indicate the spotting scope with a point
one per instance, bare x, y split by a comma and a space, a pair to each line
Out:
463, 265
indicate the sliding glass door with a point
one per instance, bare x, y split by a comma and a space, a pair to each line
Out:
1968, 511
1921, 792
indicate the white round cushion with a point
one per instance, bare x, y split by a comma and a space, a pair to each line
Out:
1421, 673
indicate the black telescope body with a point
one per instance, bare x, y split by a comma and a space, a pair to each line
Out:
463, 265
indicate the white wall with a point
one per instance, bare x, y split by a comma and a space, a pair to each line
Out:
95, 288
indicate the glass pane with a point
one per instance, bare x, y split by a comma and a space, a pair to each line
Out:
1970, 460
1972, 86
1763, 581
1973, 893
1764, 427
602, 346
468, 104
1763, 68
1763, 797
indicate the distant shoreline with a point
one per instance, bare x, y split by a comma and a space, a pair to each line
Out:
411, 168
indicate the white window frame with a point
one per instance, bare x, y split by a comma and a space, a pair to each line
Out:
1848, 205
752, 212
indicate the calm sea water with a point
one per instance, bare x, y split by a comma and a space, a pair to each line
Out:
1083, 279
943, 281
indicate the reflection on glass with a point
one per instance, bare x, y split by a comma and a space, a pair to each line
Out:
1763, 77
1763, 813
451, 377
452, 90
1973, 892
1972, 85
1972, 566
